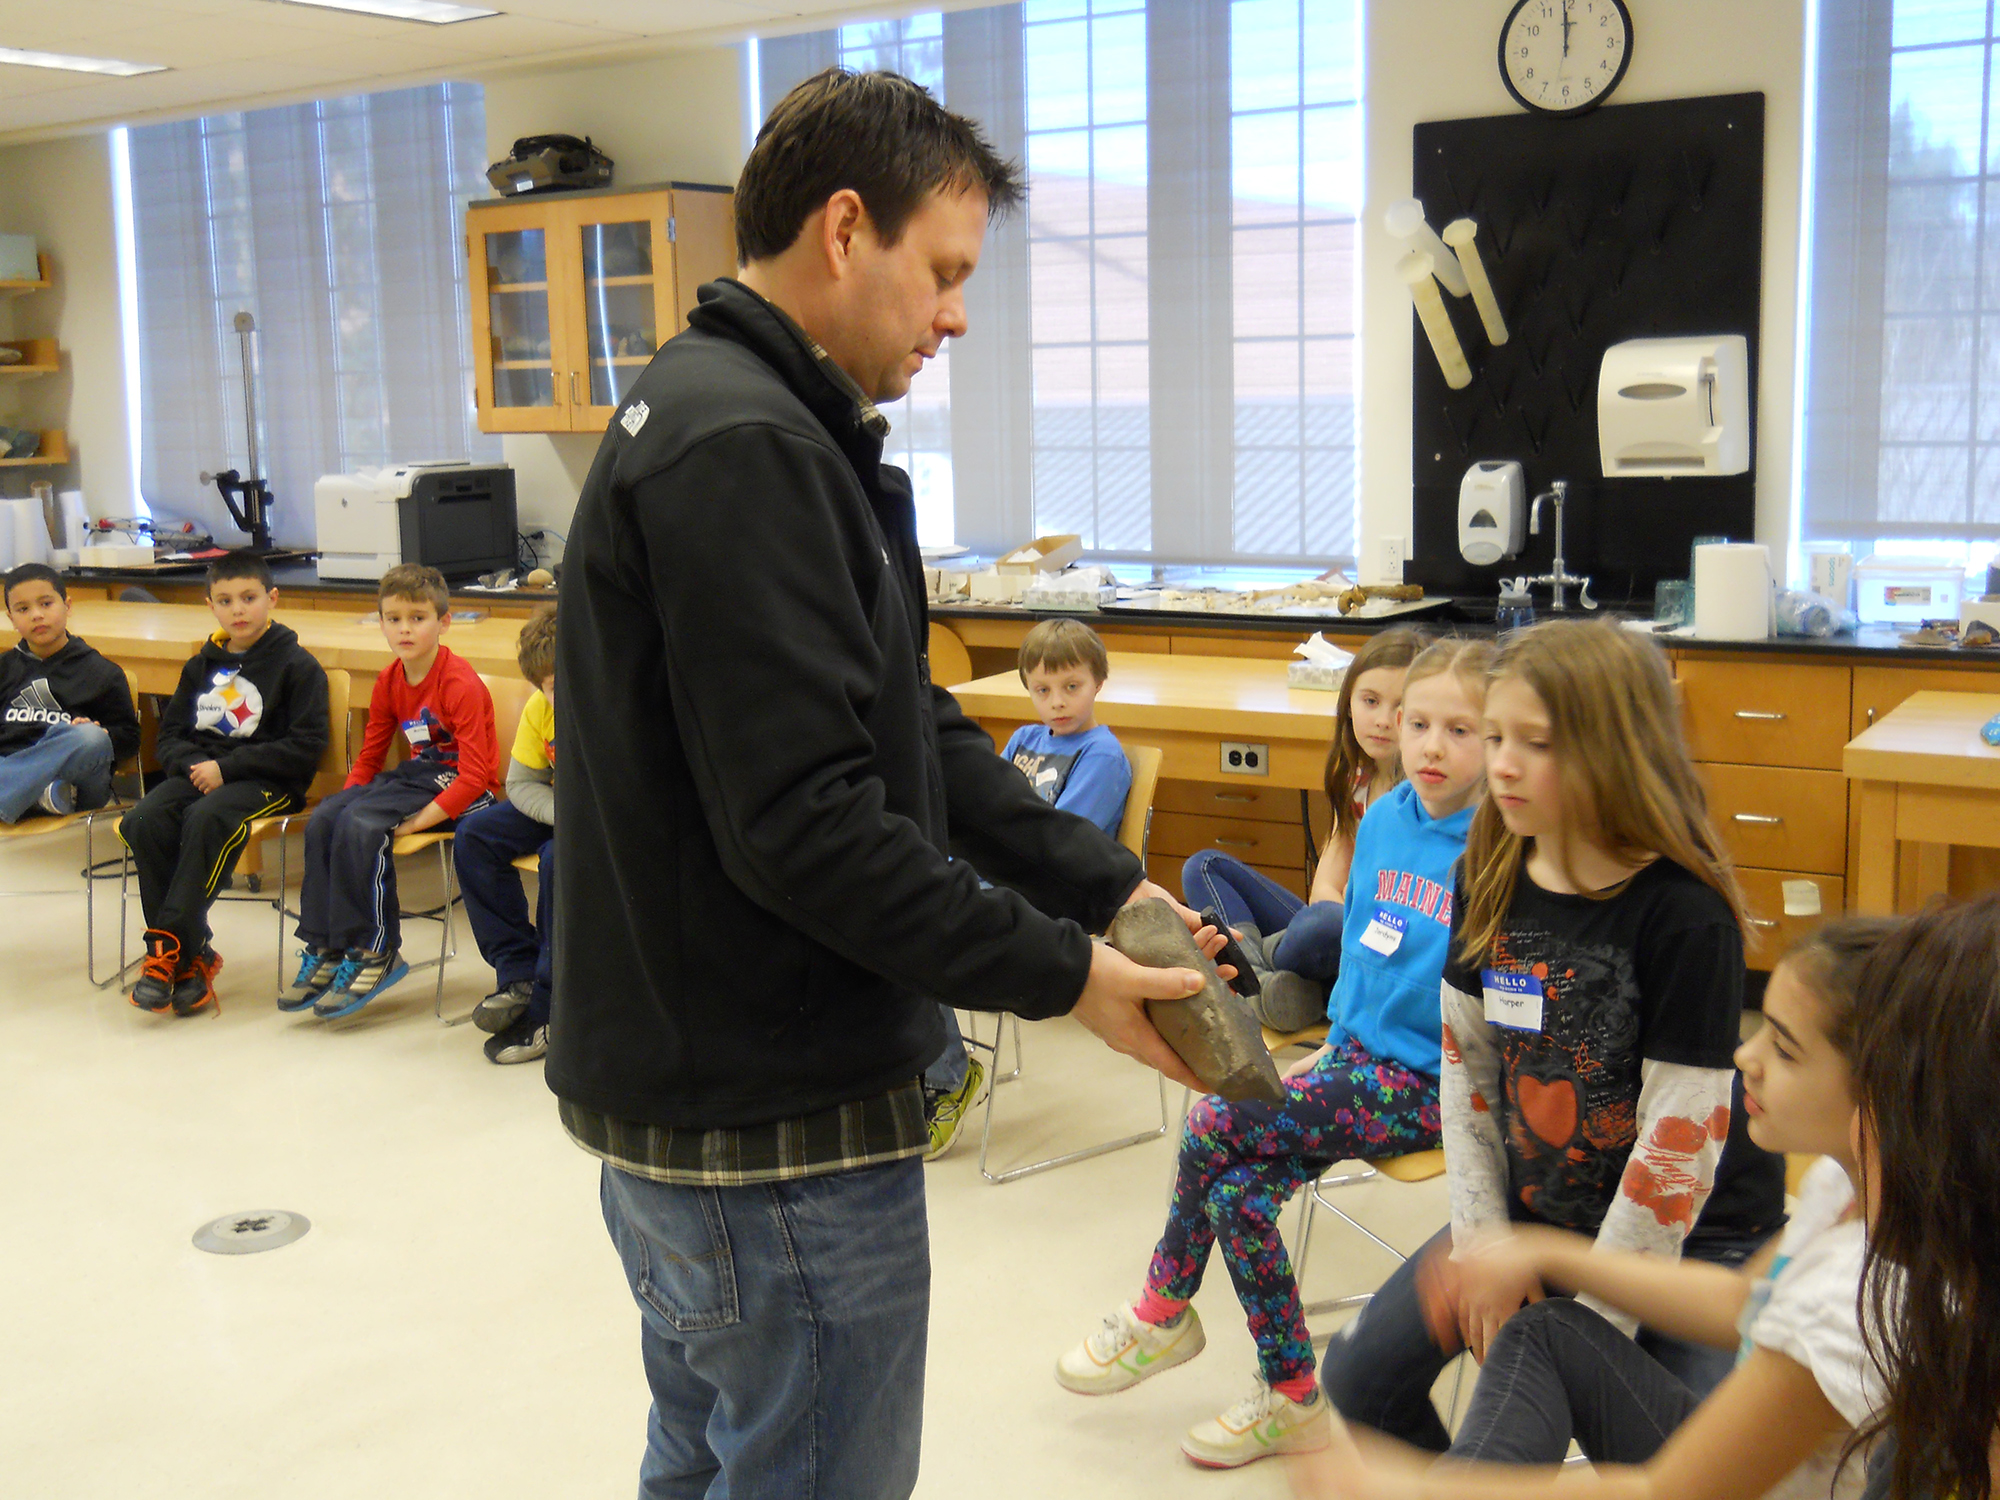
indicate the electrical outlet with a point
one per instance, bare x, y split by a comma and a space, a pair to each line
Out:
1240, 759
1391, 552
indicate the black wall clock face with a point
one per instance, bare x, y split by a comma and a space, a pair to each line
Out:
1562, 57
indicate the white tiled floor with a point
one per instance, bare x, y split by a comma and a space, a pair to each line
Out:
455, 1324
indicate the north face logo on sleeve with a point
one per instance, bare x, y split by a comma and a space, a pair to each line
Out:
230, 705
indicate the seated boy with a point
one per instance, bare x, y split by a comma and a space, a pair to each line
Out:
1072, 761
488, 843
240, 739
349, 919
68, 716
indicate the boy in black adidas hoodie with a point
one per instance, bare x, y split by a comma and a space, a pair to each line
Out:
66, 715
240, 740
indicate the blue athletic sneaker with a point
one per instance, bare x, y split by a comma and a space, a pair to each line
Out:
359, 979
317, 967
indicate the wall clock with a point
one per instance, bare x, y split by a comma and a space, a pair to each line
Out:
1562, 57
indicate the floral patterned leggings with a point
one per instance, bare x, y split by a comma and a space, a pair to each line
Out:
1240, 1163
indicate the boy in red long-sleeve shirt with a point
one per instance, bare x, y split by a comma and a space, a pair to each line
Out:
348, 912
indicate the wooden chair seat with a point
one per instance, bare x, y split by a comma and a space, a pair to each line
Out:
1309, 1036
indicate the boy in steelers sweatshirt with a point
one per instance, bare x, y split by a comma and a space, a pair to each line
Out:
241, 739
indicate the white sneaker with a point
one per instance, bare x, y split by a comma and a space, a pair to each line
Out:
1126, 1351
1261, 1424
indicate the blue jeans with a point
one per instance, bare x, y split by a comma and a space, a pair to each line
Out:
1300, 937
1380, 1368
485, 846
948, 1071
783, 1329
79, 754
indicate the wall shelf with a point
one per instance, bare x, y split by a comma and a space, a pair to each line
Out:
21, 288
38, 357
54, 450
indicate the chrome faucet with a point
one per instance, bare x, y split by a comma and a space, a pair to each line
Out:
1558, 577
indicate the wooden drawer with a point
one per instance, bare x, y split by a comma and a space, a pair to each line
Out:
1779, 819
1250, 840
1766, 713
1165, 870
1771, 931
1239, 799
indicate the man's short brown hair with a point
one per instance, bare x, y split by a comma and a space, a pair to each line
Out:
877, 133
419, 585
536, 650
1060, 643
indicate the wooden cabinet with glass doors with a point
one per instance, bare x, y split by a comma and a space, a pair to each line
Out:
572, 295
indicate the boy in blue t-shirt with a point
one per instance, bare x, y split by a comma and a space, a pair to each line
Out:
1072, 761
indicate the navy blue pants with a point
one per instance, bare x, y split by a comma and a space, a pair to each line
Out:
487, 844
348, 900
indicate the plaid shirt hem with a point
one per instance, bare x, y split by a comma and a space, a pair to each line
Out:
866, 1133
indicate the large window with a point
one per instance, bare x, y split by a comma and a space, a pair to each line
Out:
1162, 354
1902, 430
339, 226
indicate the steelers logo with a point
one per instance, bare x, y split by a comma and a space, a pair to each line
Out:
230, 705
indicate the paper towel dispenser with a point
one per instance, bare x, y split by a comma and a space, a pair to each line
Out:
1492, 510
1668, 407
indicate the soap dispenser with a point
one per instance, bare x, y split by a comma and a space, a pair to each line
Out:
1492, 512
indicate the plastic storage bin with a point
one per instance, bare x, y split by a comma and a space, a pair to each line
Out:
1902, 591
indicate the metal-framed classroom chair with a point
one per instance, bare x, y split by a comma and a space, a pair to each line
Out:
1133, 832
42, 827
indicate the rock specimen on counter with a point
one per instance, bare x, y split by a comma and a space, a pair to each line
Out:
1213, 1029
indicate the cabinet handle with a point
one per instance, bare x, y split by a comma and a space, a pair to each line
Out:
1757, 818
1238, 843
1751, 713
1871, 715
572, 389
1761, 922
1234, 797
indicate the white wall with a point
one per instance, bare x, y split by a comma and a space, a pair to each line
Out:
1437, 60
674, 118
60, 192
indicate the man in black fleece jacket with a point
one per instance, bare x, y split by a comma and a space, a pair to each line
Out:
240, 740
761, 794
66, 714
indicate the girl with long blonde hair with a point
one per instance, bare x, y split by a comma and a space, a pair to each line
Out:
1591, 1008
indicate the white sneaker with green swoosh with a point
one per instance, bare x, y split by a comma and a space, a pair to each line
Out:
1126, 1351
1261, 1424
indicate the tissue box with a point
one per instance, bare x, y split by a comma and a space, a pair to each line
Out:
18, 261
1082, 598
1314, 675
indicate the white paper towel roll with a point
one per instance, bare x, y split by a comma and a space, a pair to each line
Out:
28, 532
1732, 591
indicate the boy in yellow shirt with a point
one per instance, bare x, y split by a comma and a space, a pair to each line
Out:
487, 844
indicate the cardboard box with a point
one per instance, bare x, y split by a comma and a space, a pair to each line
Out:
1045, 554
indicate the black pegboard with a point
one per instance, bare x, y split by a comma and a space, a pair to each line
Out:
1633, 221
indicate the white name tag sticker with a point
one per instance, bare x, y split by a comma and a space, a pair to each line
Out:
417, 732
1512, 1000
1384, 934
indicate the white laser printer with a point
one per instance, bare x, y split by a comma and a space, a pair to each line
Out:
452, 515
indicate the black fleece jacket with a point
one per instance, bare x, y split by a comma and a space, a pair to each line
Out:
76, 683
760, 781
260, 716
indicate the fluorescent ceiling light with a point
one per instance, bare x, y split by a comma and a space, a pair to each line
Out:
432, 12
105, 65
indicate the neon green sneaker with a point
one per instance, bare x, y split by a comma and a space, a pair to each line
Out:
1126, 1351
946, 1112
1260, 1425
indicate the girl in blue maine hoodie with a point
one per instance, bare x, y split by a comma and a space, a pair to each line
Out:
1371, 1091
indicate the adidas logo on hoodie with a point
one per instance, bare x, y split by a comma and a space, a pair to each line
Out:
35, 704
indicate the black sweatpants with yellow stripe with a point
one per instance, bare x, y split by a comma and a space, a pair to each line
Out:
185, 842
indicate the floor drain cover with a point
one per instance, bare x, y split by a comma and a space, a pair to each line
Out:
246, 1234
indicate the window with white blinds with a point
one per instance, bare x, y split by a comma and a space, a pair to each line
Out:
340, 227
1162, 351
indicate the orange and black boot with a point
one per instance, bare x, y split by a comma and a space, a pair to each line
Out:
195, 990
157, 971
